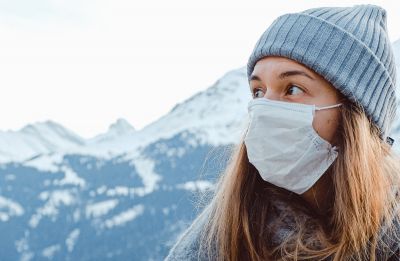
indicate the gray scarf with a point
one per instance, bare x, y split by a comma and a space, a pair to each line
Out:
188, 246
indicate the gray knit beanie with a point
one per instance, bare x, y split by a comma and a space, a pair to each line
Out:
348, 46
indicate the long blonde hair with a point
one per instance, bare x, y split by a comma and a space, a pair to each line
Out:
364, 179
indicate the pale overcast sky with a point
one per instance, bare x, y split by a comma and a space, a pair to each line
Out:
85, 63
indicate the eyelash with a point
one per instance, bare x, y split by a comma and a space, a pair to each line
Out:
292, 85
253, 92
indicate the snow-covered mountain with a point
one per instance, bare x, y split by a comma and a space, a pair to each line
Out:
35, 139
124, 194
116, 130
213, 117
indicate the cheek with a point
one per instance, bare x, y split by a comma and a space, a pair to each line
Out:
325, 124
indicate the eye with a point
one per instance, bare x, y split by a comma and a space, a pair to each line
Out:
257, 93
294, 90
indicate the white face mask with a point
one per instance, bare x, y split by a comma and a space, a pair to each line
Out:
283, 146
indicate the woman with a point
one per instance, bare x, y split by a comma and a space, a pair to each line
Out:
314, 178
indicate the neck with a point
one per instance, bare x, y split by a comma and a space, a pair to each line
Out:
319, 194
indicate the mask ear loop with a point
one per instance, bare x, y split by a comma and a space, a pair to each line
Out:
328, 107
323, 108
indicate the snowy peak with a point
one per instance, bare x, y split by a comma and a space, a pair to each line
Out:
35, 139
213, 115
53, 134
120, 128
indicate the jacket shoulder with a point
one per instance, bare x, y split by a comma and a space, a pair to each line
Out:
188, 246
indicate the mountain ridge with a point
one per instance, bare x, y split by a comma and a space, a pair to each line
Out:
214, 116
120, 128
126, 195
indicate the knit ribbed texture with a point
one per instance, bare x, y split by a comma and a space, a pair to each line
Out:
348, 46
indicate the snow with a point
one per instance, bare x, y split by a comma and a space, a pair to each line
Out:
72, 239
9, 177
216, 116
145, 169
165, 211
44, 195
200, 185
54, 200
141, 191
213, 116
100, 208
52, 135
125, 216
27, 256
120, 128
22, 244
101, 190
9, 208
125, 191
77, 215
36, 139
49, 251
71, 177
118, 190
46, 162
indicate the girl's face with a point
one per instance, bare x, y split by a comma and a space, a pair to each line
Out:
282, 79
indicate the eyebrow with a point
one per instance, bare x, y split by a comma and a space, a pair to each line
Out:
283, 75
290, 73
